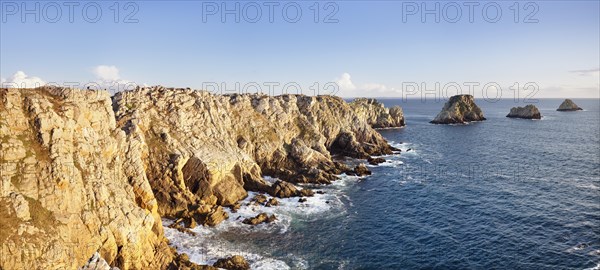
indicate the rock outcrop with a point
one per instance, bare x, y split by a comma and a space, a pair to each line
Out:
459, 109
376, 114
211, 149
528, 112
361, 170
235, 262
72, 184
82, 173
260, 218
568, 105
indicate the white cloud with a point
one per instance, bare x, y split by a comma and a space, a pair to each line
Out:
587, 72
350, 89
108, 78
345, 82
22, 80
375, 87
107, 73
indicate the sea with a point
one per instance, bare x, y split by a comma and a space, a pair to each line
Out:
498, 194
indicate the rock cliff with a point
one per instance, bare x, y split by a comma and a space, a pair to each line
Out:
527, 112
376, 114
459, 109
206, 149
72, 184
84, 175
568, 105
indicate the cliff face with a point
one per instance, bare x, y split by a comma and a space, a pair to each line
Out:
376, 114
527, 112
236, 139
77, 178
568, 105
72, 184
458, 110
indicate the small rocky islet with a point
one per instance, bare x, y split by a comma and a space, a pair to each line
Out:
528, 112
568, 106
459, 109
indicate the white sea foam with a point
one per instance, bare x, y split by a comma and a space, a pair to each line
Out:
597, 267
391, 163
589, 186
578, 247
208, 245
404, 147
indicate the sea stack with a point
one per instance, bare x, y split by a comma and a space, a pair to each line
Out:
459, 109
568, 106
527, 112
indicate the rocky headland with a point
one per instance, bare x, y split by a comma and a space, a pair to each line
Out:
528, 112
568, 105
86, 177
377, 115
459, 109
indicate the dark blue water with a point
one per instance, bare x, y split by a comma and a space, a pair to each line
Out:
499, 194
504, 193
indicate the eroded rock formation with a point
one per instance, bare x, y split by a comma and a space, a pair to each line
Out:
73, 184
376, 114
528, 112
83, 173
568, 105
230, 141
459, 109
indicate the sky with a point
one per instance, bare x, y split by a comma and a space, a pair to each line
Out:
503, 49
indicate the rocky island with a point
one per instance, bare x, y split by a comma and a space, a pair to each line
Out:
459, 109
86, 177
568, 105
528, 112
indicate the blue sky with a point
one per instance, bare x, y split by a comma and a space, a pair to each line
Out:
369, 51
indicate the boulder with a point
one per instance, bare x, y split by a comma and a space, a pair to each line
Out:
459, 109
235, 262
362, 170
305, 192
259, 199
182, 262
568, 105
260, 218
235, 207
375, 161
283, 189
272, 202
528, 112
216, 216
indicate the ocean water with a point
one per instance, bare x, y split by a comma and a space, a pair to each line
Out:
498, 194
